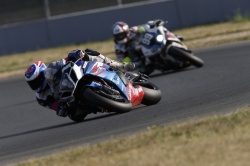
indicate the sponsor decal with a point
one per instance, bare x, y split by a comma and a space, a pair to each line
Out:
84, 65
94, 68
97, 69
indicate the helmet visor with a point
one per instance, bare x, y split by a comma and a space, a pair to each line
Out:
37, 82
120, 36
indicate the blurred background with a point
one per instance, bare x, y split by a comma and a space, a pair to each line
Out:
27, 25
14, 11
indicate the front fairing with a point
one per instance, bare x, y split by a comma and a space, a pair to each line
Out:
71, 74
175, 41
104, 71
171, 36
152, 43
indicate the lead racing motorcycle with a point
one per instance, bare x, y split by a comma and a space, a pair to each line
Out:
90, 84
163, 50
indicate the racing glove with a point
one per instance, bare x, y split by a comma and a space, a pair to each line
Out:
74, 55
123, 66
91, 52
129, 66
96, 56
62, 110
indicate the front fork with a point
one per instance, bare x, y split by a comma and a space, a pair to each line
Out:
171, 60
175, 44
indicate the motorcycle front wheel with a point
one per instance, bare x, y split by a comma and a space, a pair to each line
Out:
106, 101
181, 54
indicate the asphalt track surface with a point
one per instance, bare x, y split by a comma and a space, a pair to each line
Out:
220, 87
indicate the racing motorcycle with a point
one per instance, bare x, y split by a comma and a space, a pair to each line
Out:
163, 50
91, 84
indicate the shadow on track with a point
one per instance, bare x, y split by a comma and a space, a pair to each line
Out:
56, 126
65, 124
19, 104
158, 74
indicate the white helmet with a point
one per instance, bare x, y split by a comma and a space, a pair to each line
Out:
34, 76
120, 32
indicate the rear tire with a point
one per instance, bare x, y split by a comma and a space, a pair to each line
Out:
152, 94
182, 54
106, 103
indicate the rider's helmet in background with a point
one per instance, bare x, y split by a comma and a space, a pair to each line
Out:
120, 32
34, 76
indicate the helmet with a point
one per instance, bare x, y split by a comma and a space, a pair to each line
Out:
120, 32
34, 76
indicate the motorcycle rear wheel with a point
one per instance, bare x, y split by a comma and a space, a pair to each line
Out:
152, 94
182, 54
106, 103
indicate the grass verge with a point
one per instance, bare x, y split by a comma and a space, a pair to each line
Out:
211, 141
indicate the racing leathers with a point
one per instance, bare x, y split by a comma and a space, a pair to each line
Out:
130, 51
49, 97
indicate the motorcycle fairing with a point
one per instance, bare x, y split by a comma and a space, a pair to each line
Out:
153, 42
105, 72
171, 36
175, 41
135, 95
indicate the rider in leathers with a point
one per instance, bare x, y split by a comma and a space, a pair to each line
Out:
48, 94
127, 42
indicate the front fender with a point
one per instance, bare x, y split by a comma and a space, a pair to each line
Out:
176, 44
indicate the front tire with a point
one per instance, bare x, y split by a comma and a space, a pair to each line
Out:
180, 53
106, 103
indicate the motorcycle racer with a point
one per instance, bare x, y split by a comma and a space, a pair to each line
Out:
127, 42
45, 80
126, 39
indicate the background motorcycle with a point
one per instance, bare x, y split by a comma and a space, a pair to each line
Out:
163, 50
91, 85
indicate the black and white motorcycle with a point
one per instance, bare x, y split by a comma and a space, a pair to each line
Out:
163, 50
